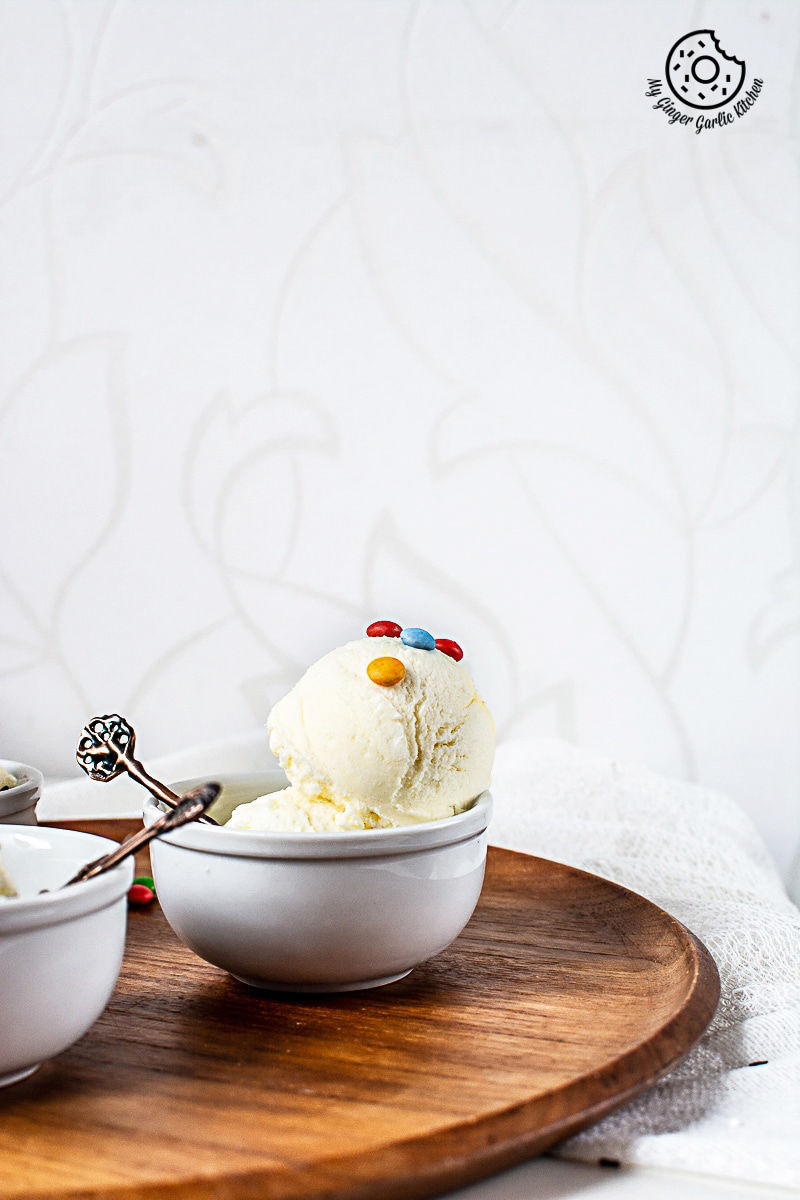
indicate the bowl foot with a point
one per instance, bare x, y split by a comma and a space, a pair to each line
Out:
270, 985
18, 1076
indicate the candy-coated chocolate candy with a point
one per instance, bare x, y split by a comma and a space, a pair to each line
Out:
139, 895
384, 629
147, 880
419, 638
449, 647
386, 671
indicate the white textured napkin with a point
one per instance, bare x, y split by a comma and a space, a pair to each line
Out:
695, 854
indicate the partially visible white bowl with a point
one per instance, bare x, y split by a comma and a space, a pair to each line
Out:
60, 953
18, 804
318, 912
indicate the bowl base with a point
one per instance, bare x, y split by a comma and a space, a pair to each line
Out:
18, 1076
271, 985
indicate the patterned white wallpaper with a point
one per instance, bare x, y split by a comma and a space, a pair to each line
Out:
317, 312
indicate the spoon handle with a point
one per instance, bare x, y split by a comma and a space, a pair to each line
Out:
188, 808
106, 750
156, 788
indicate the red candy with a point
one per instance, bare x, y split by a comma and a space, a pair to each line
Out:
139, 895
450, 648
385, 629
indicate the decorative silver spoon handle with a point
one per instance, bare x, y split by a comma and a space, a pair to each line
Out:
106, 750
189, 808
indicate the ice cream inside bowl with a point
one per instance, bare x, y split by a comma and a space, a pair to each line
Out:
360, 754
20, 788
365, 854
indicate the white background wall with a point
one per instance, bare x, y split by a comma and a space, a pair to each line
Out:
318, 312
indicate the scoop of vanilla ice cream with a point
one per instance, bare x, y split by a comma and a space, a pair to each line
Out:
293, 811
361, 755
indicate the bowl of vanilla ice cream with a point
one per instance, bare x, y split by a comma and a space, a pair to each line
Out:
362, 856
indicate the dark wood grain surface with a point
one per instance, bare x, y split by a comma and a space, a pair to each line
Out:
564, 997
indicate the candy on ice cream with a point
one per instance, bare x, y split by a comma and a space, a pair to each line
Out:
380, 732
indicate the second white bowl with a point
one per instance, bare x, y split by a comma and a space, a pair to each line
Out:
60, 953
318, 912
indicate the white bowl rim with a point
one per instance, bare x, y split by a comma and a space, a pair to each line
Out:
20, 913
359, 843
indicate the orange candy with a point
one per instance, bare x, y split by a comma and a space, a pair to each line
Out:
386, 671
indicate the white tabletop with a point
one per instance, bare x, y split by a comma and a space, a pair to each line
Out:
553, 1179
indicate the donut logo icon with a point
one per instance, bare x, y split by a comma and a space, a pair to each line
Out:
699, 72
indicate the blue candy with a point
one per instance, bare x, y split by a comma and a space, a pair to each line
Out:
419, 638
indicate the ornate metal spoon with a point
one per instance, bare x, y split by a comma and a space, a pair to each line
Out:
106, 751
189, 808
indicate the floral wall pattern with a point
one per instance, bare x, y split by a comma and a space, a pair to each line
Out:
314, 313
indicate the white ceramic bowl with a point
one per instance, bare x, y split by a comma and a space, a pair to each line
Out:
18, 804
60, 953
318, 912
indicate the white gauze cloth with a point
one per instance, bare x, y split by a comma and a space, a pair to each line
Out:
692, 852
697, 855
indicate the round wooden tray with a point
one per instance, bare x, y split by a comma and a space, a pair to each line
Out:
565, 996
